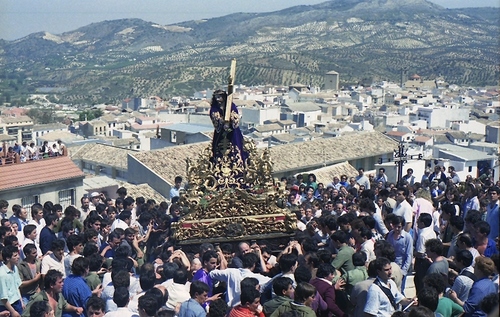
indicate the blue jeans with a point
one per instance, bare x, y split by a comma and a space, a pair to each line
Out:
403, 284
16, 305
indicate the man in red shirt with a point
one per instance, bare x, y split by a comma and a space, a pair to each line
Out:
249, 306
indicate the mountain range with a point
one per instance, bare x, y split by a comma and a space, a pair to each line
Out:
363, 40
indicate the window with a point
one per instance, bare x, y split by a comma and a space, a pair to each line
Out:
27, 202
173, 136
67, 197
470, 169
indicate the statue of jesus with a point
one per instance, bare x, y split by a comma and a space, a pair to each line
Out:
228, 139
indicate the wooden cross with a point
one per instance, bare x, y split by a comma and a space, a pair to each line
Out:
230, 88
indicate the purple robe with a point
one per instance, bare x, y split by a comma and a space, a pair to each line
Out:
228, 138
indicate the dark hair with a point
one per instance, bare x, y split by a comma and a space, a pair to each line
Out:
126, 214
16, 209
405, 191
180, 276
287, 261
339, 236
435, 246
51, 278
324, 270
90, 233
28, 229
49, 218
359, 258
372, 270
465, 257
96, 303
426, 219
380, 262
249, 282
249, 296
129, 201
70, 211
387, 250
10, 240
218, 308
147, 279
28, 248
35, 208
57, 245
482, 227
303, 291
89, 249
149, 304
73, 240
169, 270
281, 284
302, 274
66, 225
428, 297
4, 230
122, 191
457, 222
197, 287
249, 260
4, 203
95, 262
121, 296
9, 251
436, 281
39, 309
80, 266
466, 239
365, 233
449, 209
473, 216
421, 311
210, 254
397, 220
489, 303
157, 294
369, 222
120, 278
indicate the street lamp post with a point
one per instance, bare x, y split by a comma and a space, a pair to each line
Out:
400, 158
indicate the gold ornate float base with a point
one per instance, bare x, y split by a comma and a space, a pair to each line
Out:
226, 201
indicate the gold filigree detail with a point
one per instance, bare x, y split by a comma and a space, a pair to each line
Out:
228, 199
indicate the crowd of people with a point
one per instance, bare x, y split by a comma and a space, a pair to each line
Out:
24, 152
358, 239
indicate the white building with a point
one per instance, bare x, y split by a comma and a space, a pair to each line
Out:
441, 117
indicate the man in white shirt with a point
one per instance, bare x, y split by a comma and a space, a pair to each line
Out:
121, 298
383, 297
233, 277
403, 208
361, 179
174, 191
54, 261
123, 221
425, 232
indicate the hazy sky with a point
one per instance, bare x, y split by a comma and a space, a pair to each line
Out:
19, 18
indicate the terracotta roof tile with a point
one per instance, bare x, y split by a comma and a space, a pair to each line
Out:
38, 172
170, 162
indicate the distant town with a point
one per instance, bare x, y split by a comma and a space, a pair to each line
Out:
144, 141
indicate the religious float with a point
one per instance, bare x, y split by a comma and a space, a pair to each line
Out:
231, 194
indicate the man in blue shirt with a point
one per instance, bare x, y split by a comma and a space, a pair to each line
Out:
193, 306
47, 234
75, 289
492, 213
403, 245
